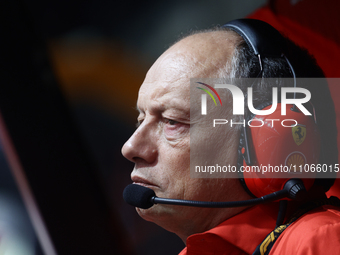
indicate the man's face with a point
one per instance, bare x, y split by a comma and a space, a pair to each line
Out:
160, 147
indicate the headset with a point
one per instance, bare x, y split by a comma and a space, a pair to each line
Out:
269, 144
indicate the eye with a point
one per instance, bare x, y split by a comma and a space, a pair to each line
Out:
171, 122
174, 129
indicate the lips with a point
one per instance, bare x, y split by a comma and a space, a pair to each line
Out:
141, 181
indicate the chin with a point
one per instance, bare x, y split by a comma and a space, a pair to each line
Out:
157, 213
163, 216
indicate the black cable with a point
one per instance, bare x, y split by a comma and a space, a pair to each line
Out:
282, 212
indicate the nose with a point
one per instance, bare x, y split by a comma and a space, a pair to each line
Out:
141, 146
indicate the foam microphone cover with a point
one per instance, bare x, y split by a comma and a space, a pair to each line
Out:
138, 196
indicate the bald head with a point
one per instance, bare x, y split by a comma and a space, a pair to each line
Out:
201, 55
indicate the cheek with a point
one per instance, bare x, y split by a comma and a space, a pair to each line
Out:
176, 171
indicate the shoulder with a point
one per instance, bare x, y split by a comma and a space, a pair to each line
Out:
316, 232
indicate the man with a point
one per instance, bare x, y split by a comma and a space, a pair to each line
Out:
160, 149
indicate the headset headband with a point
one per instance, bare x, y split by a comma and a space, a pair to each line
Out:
264, 39
260, 36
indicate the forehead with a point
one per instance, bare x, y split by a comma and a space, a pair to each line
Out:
168, 79
197, 56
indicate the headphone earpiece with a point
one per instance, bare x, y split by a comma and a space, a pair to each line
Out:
271, 141
280, 147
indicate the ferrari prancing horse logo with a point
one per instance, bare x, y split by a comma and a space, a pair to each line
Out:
299, 133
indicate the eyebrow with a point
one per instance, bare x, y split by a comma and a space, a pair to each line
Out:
159, 109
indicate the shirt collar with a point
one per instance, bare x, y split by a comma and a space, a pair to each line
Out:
243, 232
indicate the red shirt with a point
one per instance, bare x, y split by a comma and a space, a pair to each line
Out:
316, 232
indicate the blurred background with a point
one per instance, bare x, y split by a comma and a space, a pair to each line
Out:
71, 71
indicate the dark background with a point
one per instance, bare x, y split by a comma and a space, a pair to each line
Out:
70, 74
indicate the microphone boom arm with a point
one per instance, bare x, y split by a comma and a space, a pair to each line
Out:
268, 198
